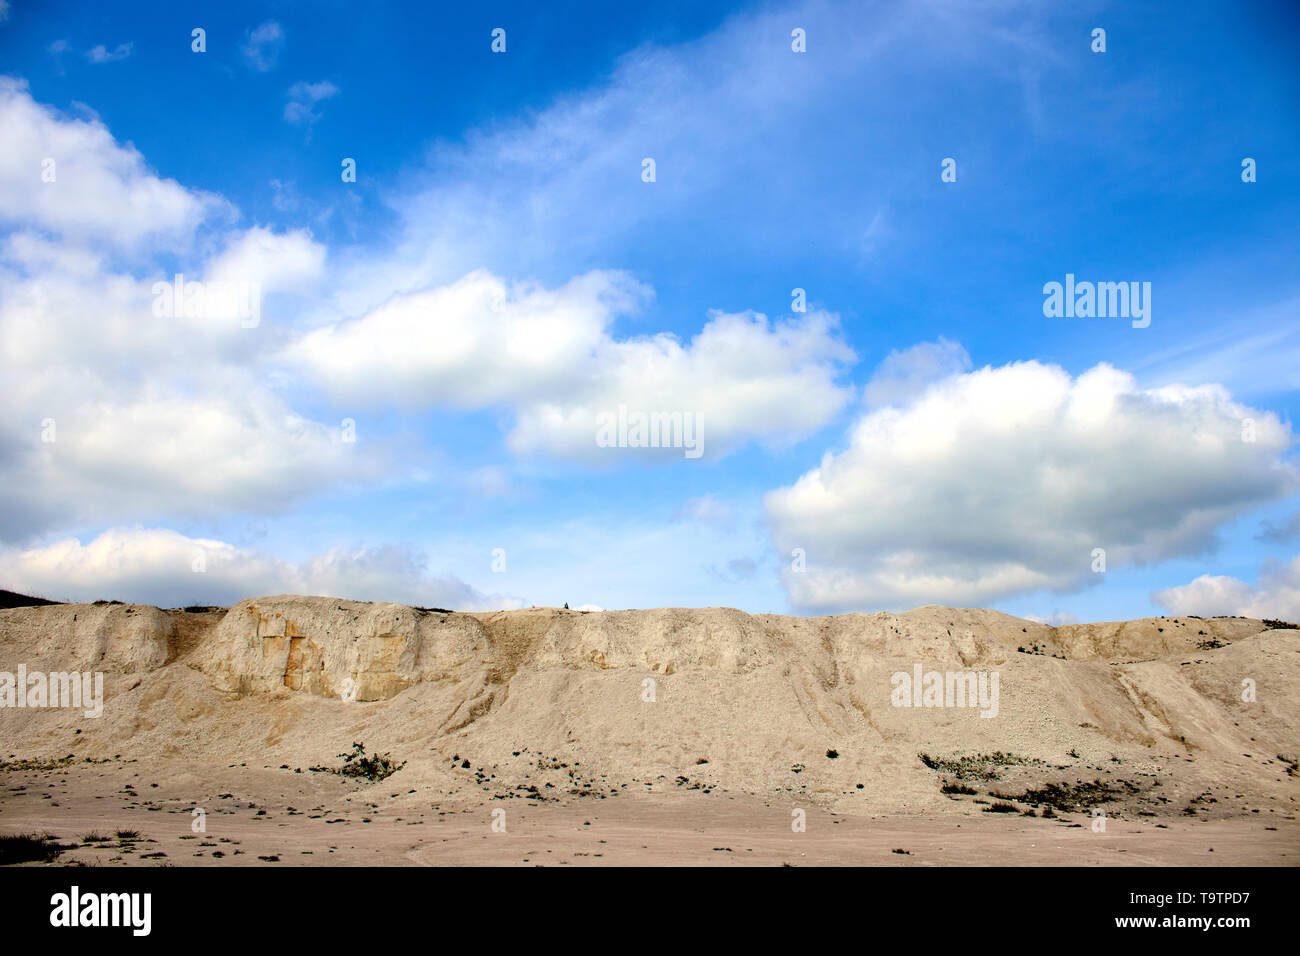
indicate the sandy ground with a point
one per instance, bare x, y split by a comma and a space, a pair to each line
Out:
275, 817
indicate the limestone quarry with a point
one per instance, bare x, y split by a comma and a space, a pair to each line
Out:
1165, 727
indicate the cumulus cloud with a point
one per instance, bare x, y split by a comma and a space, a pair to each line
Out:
473, 343
100, 189
164, 454
549, 354
1004, 480
742, 377
277, 262
262, 47
120, 411
1276, 595
166, 568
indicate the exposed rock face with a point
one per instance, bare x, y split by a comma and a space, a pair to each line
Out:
122, 638
331, 648
638, 698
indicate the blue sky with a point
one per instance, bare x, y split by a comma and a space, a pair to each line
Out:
499, 275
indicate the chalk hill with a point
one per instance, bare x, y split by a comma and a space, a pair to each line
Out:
554, 703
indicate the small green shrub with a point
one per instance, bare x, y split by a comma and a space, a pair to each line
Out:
358, 764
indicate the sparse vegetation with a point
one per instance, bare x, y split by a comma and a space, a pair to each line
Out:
1074, 797
976, 766
50, 763
374, 767
1001, 807
958, 788
1036, 648
29, 848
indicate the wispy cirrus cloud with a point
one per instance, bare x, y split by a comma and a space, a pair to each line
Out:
303, 99
262, 46
102, 54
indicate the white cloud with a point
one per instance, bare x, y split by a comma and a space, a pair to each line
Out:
278, 262
263, 45
742, 378
905, 374
476, 342
157, 566
549, 354
149, 415
101, 190
1055, 619
4, 10
1276, 596
1002, 481
163, 453
101, 53
303, 98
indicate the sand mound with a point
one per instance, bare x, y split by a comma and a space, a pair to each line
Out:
544, 702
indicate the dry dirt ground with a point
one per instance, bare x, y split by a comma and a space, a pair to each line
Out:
664, 736
273, 817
